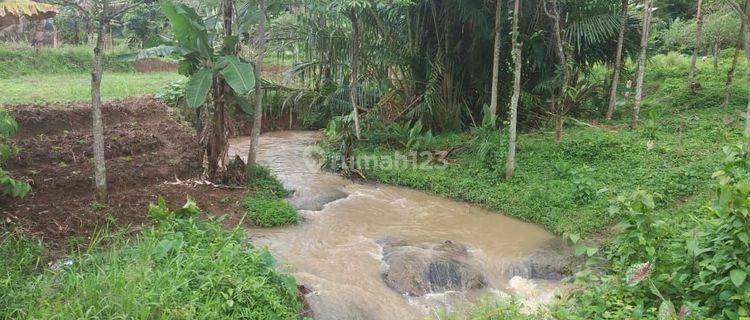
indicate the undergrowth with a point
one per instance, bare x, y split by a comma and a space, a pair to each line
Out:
265, 205
184, 267
20, 60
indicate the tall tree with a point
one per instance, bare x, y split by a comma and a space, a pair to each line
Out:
517, 45
552, 9
735, 58
496, 58
698, 39
356, 33
258, 113
618, 61
641, 64
102, 12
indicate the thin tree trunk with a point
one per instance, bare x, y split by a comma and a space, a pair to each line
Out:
510, 166
746, 19
716, 50
735, 59
698, 41
217, 150
641, 65
100, 167
38, 36
618, 62
258, 115
354, 73
55, 43
559, 124
559, 107
496, 59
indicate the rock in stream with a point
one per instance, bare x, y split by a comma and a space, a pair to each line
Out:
422, 268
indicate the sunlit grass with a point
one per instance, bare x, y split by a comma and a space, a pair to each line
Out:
40, 89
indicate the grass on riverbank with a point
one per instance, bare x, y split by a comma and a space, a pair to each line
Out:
265, 205
184, 267
61, 88
568, 188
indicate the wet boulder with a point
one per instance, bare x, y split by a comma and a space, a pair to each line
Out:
542, 265
416, 269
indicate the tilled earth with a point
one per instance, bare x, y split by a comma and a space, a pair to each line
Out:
147, 150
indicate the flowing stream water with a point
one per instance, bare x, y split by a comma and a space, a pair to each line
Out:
335, 251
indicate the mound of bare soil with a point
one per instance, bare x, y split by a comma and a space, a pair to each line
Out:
147, 151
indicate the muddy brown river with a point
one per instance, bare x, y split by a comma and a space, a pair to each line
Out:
337, 251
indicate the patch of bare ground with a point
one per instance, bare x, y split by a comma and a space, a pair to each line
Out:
147, 150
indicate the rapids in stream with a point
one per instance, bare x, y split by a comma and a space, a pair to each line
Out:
337, 250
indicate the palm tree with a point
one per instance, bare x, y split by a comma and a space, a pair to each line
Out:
692, 84
496, 59
618, 61
258, 113
641, 64
510, 166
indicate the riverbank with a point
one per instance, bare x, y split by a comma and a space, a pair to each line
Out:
673, 187
567, 188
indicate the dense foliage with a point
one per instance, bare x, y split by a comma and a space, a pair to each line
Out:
185, 267
265, 205
8, 186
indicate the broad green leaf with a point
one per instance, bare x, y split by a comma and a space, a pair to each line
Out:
239, 75
738, 277
244, 104
198, 86
188, 28
158, 51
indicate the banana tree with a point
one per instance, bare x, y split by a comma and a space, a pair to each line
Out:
214, 71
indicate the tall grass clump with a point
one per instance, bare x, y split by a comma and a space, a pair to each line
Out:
181, 268
264, 204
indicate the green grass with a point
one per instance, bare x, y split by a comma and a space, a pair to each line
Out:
42, 89
182, 268
568, 188
20, 60
265, 205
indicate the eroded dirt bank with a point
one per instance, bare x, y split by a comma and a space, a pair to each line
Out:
147, 150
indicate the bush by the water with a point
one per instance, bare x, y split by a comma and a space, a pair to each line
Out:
185, 267
265, 205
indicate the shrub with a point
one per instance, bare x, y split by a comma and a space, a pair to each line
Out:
268, 211
265, 204
182, 268
259, 178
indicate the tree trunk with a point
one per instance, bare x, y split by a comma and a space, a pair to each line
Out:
558, 108
100, 167
618, 62
38, 36
641, 65
746, 19
735, 59
559, 124
716, 50
217, 148
258, 115
510, 166
355, 66
698, 39
55, 43
76, 31
496, 60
